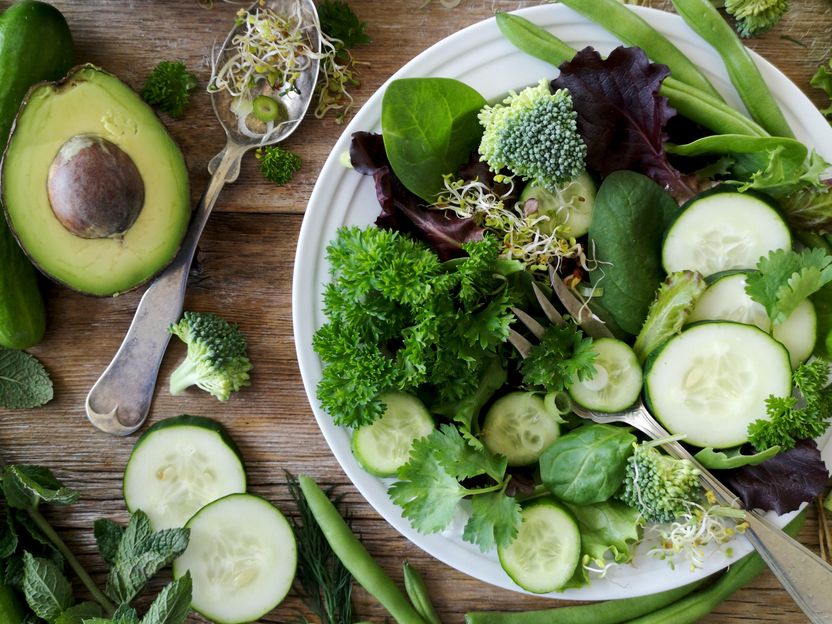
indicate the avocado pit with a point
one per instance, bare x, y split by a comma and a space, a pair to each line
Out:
94, 187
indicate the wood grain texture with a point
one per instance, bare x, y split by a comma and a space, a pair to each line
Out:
245, 269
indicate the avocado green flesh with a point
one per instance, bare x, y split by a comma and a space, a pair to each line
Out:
91, 101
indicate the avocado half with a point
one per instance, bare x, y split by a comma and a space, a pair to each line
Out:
95, 189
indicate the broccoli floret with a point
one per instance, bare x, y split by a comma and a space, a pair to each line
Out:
657, 485
168, 87
534, 134
755, 16
278, 165
217, 359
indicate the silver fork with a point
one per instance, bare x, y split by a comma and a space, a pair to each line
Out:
807, 577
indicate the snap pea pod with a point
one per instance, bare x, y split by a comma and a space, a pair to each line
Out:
703, 17
689, 101
417, 591
635, 31
699, 604
609, 612
355, 557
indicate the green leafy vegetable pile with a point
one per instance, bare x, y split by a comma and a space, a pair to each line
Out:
33, 558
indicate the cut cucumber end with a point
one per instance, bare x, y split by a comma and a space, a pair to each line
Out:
519, 427
617, 382
712, 380
242, 557
547, 549
178, 466
383, 446
724, 229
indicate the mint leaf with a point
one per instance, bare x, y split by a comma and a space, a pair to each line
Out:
125, 614
784, 278
108, 535
141, 553
24, 486
8, 536
172, 605
494, 520
24, 382
46, 589
79, 613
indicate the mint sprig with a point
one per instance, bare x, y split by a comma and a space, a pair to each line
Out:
24, 382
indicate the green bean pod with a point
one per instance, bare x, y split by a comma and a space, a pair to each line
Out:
417, 591
704, 18
609, 612
355, 557
688, 101
635, 31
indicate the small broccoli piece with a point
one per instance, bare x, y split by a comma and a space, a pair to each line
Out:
217, 359
657, 485
755, 17
168, 87
278, 165
534, 134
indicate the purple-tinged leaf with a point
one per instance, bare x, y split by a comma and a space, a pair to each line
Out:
783, 482
621, 115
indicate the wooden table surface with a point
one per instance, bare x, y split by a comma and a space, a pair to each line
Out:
245, 269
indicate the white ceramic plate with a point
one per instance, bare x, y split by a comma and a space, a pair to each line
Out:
482, 58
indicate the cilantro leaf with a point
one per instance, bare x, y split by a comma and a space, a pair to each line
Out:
784, 278
24, 382
173, 604
493, 522
427, 494
462, 460
47, 590
141, 553
563, 356
25, 486
790, 419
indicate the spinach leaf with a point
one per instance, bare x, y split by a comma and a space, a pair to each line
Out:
630, 217
587, 465
733, 457
430, 128
24, 383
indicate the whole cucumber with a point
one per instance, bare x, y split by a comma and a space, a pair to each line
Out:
35, 45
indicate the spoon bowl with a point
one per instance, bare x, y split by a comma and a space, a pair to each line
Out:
120, 400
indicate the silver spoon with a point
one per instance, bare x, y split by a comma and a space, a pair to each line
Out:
120, 400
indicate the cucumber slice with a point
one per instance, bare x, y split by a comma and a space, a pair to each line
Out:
571, 206
383, 446
723, 229
726, 300
712, 380
547, 549
617, 381
178, 466
519, 427
242, 557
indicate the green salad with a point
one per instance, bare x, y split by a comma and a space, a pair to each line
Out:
615, 233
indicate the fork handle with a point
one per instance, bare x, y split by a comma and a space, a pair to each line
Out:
802, 573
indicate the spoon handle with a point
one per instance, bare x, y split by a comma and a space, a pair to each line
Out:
120, 400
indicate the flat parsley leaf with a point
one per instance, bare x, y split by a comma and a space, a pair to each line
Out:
563, 356
24, 382
791, 419
463, 460
47, 590
141, 553
784, 278
493, 522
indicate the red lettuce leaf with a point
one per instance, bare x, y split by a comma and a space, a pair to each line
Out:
403, 211
621, 115
783, 482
